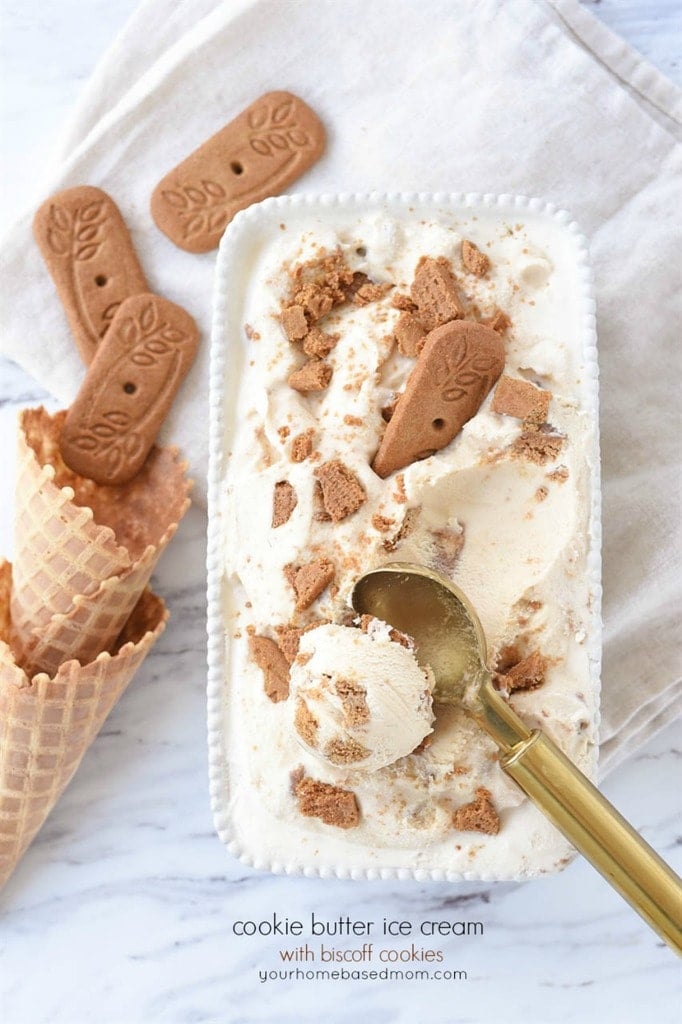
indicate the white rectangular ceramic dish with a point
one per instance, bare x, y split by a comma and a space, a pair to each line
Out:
518, 530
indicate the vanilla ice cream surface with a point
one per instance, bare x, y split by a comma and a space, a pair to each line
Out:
502, 511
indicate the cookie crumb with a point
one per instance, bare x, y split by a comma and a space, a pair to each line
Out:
317, 343
289, 637
294, 322
273, 665
409, 335
435, 291
342, 751
284, 501
302, 446
541, 493
370, 292
403, 302
537, 447
560, 474
331, 804
353, 699
520, 398
475, 261
479, 815
499, 321
310, 580
314, 375
382, 523
305, 723
527, 674
342, 492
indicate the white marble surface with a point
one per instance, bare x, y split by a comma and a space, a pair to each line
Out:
122, 912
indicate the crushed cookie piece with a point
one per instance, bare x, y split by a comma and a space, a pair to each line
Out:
345, 751
382, 523
283, 432
314, 300
370, 292
352, 421
310, 580
399, 494
250, 333
409, 334
520, 398
294, 322
357, 281
406, 527
305, 723
541, 493
302, 446
475, 261
478, 816
320, 513
284, 501
396, 636
448, 545
507, 657
289, 637
499, 321
314, 375
342, 492
317, 343
295, 776
560, 474
403, 302
273, 665
527, 674
353, 699
435, 291
537, 447
331, 804
302, 658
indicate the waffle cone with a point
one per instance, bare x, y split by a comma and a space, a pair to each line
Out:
48, 722
83, 552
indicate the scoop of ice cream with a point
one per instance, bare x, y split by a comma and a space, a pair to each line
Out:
360, 700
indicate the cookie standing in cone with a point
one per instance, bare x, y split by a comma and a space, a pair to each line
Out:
456, 369
47, 723
84, 552
128, 389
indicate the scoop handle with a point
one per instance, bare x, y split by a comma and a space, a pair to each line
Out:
599, 832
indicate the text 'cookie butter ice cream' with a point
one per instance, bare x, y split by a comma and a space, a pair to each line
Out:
407, 382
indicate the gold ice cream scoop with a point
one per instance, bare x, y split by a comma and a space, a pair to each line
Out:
450, 639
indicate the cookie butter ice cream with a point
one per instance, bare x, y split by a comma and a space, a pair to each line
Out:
406, 383
359, 699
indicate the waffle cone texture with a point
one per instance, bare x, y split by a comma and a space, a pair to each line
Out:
48, 722
77, 617
84, 552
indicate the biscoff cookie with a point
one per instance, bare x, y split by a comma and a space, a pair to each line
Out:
258, 154
456, 369
90, 256
128, 389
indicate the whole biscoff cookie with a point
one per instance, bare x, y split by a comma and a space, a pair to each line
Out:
128, 389
265, 148
89, 253
456, 369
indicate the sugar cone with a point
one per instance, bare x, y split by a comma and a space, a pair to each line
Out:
47, 723
84, 552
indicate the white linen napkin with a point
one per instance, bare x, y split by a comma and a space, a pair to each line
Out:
535, 98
